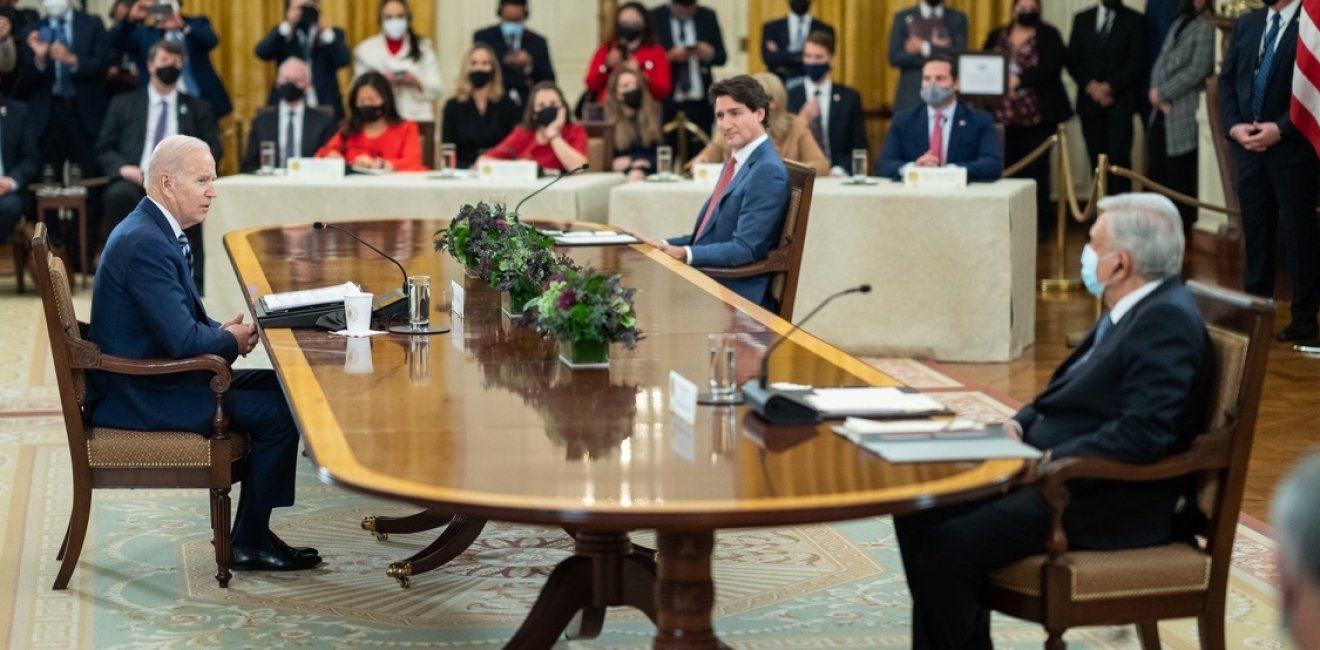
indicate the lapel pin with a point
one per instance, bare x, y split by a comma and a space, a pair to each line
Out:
962, 122
183, 109
838, 97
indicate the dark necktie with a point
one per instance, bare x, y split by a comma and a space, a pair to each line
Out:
187, 252
162, 124
1102, 330
818, 127
290, 141
1263, 72
63, 80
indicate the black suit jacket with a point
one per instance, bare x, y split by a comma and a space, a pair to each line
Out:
325, 63
534, 45
1047, 77
18, 143
708, 30
1237, 79
318, 128
847, 124
782, 62
1139, 398
92, 47
1119, 60
125, 131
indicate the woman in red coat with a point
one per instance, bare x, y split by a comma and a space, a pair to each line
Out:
634, 46
547, 135
373, 135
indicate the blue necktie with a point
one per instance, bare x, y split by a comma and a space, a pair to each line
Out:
187, 252
1102, 329
162, 125
63, 80
1263, 72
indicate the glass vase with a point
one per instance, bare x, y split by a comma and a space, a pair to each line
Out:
584, 354
513, 303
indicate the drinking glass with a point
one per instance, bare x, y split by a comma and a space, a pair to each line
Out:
722, 385
859, 160
448, 158
267, 156
419, 301
664, 162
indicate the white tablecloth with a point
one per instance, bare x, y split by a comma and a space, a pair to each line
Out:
953, 272
250, 201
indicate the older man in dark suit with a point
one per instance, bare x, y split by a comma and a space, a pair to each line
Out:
1135, 391
145, 306
296, 129
524, 55
64, 58
305, 35
134, 37
1276, 166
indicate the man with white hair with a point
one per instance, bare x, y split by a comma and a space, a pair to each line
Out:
1297, 530
146, 306
1134, 391
297, 129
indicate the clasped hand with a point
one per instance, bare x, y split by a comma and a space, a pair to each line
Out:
1256, 137
244, 334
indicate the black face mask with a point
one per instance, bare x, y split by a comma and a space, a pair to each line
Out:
633, 98
1270, 3
1113, 4
310, 17
368, 114
685, 3
799, 7
1028, 18
628, 33
547, 115
169, 75
933, 3
290, 93
479, 78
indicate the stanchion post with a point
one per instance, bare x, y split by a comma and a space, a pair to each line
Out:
1061, 283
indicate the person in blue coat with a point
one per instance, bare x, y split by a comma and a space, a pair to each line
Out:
966, 135
304, 34
63, 61
742, 220
134, 37
146, 306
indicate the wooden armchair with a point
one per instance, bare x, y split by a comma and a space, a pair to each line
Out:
114, 458
1064, 589
785, 261
427, 132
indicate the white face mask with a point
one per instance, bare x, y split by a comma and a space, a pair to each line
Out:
395, 28
55, 8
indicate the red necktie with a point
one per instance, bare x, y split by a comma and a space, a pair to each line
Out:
937, 138
725, 177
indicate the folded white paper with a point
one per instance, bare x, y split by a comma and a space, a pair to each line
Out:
309, 297
840, 402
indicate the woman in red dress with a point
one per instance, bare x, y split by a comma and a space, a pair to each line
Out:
373, 136
547, 135
633, 46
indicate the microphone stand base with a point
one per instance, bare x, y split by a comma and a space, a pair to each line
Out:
710, 399
419, 331
779, 406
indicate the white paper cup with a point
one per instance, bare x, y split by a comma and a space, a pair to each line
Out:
357, 313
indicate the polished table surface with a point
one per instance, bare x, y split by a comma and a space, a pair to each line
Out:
485, 421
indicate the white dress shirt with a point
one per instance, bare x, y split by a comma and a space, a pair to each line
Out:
174, 223
798, 29
1126, 303
1287, 13
295, 113
155, 103
739, 160
1100, 17
684, 31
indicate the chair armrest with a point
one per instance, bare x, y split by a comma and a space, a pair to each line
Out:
775, 262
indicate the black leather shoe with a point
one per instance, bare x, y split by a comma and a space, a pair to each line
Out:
255, 559
281, 546
1298, 332
1308, 347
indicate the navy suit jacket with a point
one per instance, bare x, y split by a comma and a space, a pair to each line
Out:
92, 47
707, 26
325, 63
780, 61
136, 39
847, 123
1236, 81
747, 223
1140, 397
145, 306
534, 45
972, 144
18, 143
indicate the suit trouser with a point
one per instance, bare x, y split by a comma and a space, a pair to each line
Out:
66, 138
948, 554
1279, 199
1110, 133
1177, 173
257, 408
11, 208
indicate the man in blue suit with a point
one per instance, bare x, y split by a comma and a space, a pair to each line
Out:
741, 222
64, 57
135, 38
18, 163
524, 55
943, 132
145, 306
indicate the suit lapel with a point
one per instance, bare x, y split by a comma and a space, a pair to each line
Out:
836, 115
957, 132
167, 232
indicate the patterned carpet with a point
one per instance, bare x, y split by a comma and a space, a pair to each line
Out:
145, 579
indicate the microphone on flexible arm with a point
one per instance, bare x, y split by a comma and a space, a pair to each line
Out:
787, 407
584, 167
391, 304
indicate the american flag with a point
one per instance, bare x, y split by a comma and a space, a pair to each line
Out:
1305, 110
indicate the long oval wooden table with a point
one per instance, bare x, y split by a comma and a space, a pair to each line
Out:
484, 422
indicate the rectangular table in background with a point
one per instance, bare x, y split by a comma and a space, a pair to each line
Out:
250, 201
953, 272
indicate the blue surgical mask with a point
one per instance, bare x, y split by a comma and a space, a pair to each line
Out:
1090, 277
511, 30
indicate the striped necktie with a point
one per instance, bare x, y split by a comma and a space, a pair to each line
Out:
1263, 72
187, 252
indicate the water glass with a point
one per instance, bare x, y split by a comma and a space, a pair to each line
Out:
267, 156
448, 158
48, 175
500, 201
664, 162
722, 384
419, 360
859, 160
74, 176
419, 301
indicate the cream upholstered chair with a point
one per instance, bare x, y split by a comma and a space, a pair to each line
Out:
114, 458
1066, 588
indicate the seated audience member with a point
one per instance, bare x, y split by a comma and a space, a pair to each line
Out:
547, 135
1297, 528
297, 130
919, 33
634, 46
138, 121
942, 133
832, 110
303, 34
636, 119
1135, 390
145, 306
135, 38
405, 58
742, 220
790, 134
523, 54
373, 136
18, 163
8, 49
480, 114
782, 40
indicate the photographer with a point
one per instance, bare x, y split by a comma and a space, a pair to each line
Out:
151, 21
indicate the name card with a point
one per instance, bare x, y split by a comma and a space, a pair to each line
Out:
935, 178
682, 397
316, 168
707, 173
512, 171
456, 303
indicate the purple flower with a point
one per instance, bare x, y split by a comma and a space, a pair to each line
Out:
566, 300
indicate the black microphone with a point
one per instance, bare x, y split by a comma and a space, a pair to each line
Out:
787, 407
584, 167
393, 303
324, 226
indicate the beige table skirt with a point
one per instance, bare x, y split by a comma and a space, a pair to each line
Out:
953, 271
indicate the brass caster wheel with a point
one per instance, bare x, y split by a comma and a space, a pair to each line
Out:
400, 571
369, 525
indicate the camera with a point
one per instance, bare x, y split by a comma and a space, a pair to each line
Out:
162, 9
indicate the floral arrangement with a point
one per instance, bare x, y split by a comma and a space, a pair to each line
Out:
522, 263
585, 307
473, 233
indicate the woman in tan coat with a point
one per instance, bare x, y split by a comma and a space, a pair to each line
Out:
789, 133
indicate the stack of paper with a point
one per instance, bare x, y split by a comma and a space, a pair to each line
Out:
861, 431
932, 441
873, 402
594, 238
309, 297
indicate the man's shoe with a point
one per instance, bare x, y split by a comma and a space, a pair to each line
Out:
255, 559
1308, 347
282, 547
1296, 331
